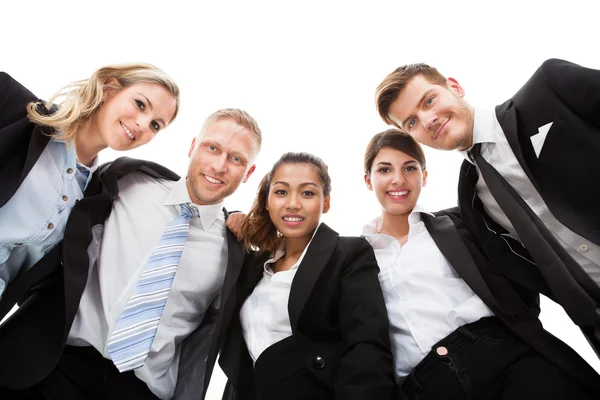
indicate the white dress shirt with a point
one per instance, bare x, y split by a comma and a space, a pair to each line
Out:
425, 297
140, 214
496, 150
264, 315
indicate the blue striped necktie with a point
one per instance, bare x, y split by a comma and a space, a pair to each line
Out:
132, 337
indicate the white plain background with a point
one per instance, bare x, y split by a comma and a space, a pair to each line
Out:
307, 72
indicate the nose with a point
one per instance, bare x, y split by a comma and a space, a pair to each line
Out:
220, 163
429, 119
292, 203
143, 122
398, 179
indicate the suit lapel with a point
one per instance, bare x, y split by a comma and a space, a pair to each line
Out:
235, 259
318, 254
39, 140
448, 240
507, 117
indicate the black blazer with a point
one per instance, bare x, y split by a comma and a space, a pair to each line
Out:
33, 338
339, 325
517, 309
566, 174
21, 141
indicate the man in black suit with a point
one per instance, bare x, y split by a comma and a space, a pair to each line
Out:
532, 154
58, 343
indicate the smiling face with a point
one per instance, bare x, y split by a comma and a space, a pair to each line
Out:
397, 179
132, 116
296, 200
220, 160
436, 116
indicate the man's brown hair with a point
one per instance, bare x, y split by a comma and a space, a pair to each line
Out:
390, 88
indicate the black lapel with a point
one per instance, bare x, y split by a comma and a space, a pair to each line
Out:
318, 254
507, 117
448, 240
235, 251
39, 140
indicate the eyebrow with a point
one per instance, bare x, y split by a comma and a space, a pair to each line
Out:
152, 108
302, 184
425, 95
390, 164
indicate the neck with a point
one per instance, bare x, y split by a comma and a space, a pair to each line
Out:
88, 143
395, 225
295, 246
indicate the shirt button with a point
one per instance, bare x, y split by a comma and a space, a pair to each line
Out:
551, 224
65, 198
441, 351
583, 247
69, 170
50, 225
319, 362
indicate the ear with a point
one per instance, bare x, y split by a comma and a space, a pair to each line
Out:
326, 204
110, 87
424, 178
454, 86
192, 147
250, 171
368, 182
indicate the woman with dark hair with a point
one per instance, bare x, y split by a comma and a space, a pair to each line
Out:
48, 151
458, 329
312, 322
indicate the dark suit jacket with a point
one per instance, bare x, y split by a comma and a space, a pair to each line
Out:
515, 309
21, 142
33, 338
339, 324
565, 174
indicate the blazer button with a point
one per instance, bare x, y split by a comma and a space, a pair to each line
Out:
319, 362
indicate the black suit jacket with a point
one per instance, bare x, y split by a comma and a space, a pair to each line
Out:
565, 174
518, 310
21, 141
33, 338
338, 319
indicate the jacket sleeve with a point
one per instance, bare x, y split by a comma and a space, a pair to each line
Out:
578, 87
366, 366
14, 98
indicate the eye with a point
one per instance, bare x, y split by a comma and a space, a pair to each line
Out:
140, 104
155, 126
212, 148
308, 193
429, 101
384, 169
280, 192
411, 123
236, 159
410, 168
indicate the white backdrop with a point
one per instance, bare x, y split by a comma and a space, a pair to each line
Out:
306, 71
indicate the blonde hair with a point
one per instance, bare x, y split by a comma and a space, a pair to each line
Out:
82, 98
238, 116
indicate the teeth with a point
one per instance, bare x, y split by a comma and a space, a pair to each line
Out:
292, 219
128, 132
212, 180
403, 193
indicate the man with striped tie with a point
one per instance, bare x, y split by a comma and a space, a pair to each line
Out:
146, 260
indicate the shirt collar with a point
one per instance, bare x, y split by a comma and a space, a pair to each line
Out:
179, 194
281, 252
483, 129
374, 226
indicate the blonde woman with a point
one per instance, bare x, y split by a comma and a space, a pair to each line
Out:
48, 150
